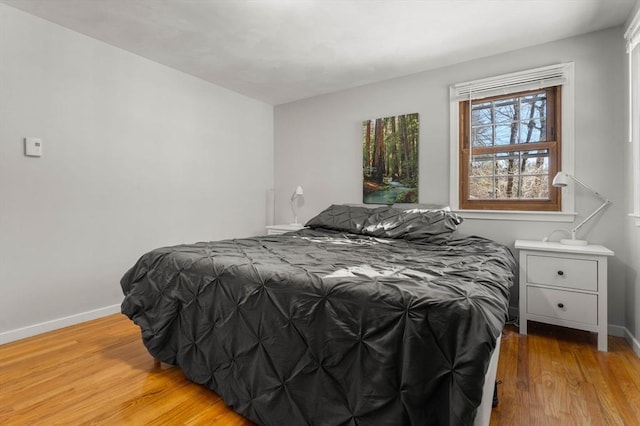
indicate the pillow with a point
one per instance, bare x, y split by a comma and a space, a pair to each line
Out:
418, 225
341, 218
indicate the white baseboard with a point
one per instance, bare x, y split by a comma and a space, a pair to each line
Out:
635, 344
617, 330
621, 331
612, 330
43, 327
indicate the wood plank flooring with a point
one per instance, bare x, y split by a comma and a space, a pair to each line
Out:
556, 376
100, 373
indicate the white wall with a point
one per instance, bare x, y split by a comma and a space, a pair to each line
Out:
136, 156
318, 141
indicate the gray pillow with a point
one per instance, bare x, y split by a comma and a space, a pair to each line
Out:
341, 218
419, 225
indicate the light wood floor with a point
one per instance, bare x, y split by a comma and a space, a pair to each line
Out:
100, 373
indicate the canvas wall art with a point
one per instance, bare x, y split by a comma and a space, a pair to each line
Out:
390, 159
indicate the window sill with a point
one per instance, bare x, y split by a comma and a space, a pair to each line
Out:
517, 215
636, 218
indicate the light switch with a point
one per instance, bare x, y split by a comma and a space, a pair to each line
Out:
33, 147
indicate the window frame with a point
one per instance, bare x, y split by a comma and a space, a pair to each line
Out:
553, 144
567, 212
632, 37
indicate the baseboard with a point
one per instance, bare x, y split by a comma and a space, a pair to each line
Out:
43, 327
513, 312
612, 330
633, 342
617, 330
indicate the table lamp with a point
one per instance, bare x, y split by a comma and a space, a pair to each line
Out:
298, 193
561, 180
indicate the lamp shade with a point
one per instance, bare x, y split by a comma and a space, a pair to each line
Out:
560, 180
298, 193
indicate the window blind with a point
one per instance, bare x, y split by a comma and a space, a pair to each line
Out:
537, 78
632, 34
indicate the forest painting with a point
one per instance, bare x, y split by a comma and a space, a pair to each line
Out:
390, 160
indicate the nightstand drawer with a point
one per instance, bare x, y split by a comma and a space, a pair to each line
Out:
565, 305
563, 272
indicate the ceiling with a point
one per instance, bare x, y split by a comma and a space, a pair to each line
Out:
280, 51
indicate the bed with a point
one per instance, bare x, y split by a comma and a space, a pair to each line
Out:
367, 316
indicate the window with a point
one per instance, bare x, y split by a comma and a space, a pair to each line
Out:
510, 135
509, 151
632, 36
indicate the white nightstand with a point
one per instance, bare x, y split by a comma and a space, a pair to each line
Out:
564, 285
281, 229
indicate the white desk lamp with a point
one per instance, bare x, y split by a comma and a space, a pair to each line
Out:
561, 180
298, 193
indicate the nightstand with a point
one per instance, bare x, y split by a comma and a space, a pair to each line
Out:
281, 229
564, 285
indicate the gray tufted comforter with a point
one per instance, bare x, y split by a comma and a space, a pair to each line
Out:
322, 327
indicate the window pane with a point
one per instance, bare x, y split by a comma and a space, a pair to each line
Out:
533, 107
482, 136
535, 187
506, 111
507, 163
482, 166
510, 175
481, 189
536, 162
507, 187
481, 114
504, 134
532, 131
515, 120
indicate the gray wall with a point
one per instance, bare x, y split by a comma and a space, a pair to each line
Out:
318, 143
136, 156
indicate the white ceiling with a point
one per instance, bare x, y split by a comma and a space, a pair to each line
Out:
279, 51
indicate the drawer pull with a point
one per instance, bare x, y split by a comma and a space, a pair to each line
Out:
561, 273
560, 305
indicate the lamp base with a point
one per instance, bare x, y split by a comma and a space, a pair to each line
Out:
569, 242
